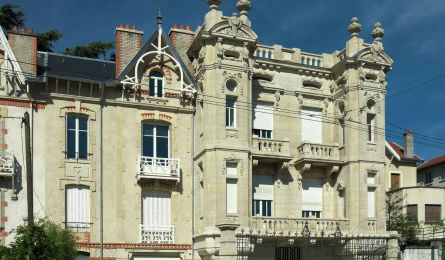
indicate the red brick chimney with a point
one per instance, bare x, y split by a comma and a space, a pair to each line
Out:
24, 45
181, 39
128, 43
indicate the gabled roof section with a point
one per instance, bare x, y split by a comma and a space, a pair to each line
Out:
10, 57
432, 162
398, 152
161, 46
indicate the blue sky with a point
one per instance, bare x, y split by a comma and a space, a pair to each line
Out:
414, 37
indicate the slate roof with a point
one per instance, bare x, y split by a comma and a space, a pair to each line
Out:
75, 68
432, 162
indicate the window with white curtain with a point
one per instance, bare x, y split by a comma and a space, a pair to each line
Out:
312, 197
263, 195
156, 208
77, 208
263, 120
311, 125
231, 197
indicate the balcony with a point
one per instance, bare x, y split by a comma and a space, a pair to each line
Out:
270, 147
157, 234
7, 164
157, 168
309, 227
318, 154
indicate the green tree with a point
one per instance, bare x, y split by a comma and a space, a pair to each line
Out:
11, 16
45, 40
397, 221
93, 50
43, 241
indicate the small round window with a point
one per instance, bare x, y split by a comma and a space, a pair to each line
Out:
231, 84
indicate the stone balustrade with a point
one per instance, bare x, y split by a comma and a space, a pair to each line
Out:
311, 59
270, 146
273, 226
265, 52
323, 152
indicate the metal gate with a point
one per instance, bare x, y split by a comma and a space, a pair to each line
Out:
282, 248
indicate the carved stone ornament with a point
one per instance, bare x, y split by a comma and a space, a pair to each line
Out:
340, 186
232, 134
378, 32
355, 27
382, 79
332, 86
235, 24
300, 101
325, 106
232, 75
214, 4
277, 98
244, 6
202, 54
361, 75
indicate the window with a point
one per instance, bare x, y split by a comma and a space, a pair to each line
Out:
311, 125
263, 194
76, 136
155, 209
371, 202
230, 113
231, 169
77, 212
428, 178
231, 197
262, 208
342, 133
411, 212
395, 181
432, 213
370, 122
312, 197
263, 120
156, 84
155, 141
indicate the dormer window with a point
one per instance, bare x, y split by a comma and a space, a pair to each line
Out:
156, 84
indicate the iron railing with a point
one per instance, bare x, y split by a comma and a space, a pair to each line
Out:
157, 168
157, 234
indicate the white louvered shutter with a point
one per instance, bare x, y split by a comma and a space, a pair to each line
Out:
77, 205
263, 117
156, 209
371, 203
312, 196
311, 125
263, 187
231, 197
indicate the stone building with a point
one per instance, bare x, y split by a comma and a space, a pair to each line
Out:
207, 145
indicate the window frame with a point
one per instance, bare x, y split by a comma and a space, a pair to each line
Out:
370, 127
230, 112
156, 87
155, 137
430, 221
76, 131
78, 226
265, 208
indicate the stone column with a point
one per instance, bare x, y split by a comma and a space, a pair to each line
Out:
228, 248
392, 253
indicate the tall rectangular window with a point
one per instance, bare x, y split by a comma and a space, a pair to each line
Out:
263, 194
342, 132
395, 181
263, 120
231, 168
432, 213
230, 113
76, 136
371, 202
370, 122
77, 208
156, 209
311, 125
231, 197
155, 141
411, 212
156, 84
312, 198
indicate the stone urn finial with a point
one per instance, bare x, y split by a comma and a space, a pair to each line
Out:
243, 6
378, 32
355, 27
214, 4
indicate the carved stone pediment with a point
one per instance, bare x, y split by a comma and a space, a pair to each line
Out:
233, 27
375, 53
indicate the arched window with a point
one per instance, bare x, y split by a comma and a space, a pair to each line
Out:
76, 137
156, 84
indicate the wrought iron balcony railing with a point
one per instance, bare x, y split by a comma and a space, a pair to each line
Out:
78, 227
157, 168
6, 163
157, 234
298, 227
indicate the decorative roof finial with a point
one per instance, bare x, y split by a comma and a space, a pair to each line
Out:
378, 32
243, 6
355, 27
159, 17
213, 4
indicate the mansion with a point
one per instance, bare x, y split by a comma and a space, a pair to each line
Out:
203, 144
